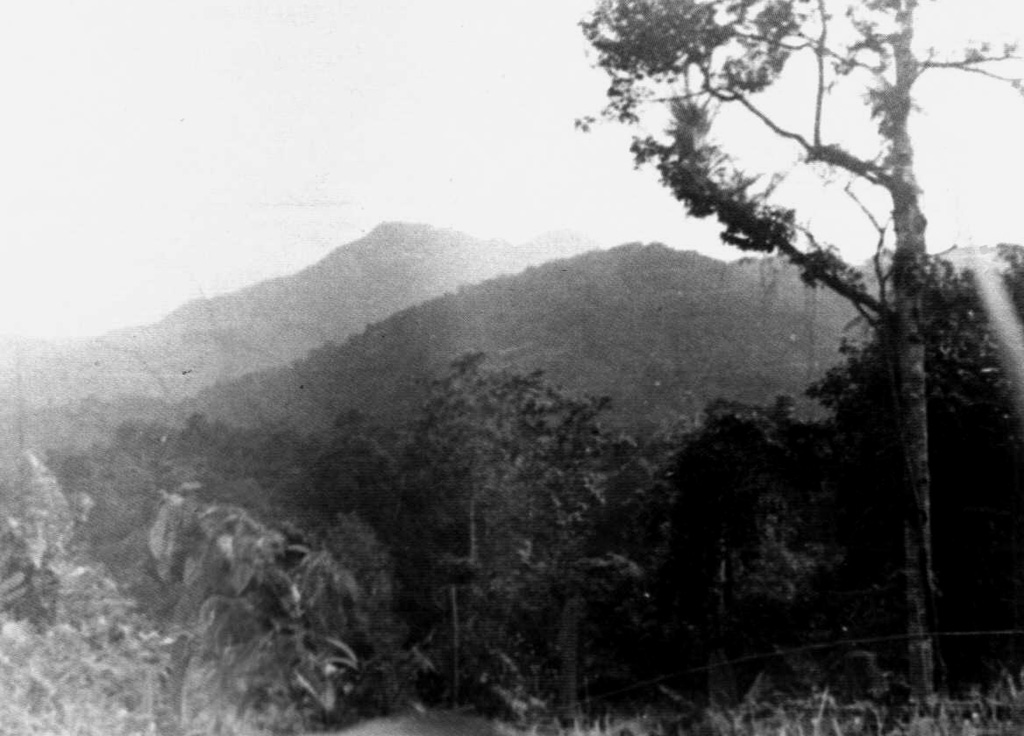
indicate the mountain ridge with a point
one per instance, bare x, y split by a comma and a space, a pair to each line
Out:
661, 331
265, 324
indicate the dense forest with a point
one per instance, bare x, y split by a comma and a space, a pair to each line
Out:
506, 547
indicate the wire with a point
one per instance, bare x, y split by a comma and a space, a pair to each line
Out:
796, 650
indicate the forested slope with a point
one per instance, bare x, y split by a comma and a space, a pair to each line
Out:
660, 331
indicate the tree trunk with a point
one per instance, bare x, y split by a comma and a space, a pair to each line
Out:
912, 412
1016, 651
453, 597
569, 654
472, 530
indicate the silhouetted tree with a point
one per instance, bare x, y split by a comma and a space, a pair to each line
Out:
973, 439
703, 56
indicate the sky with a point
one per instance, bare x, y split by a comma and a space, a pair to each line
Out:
154, 152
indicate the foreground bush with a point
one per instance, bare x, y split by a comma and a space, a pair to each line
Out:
95, 673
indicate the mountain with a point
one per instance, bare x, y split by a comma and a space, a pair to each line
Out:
660, 331
270, 323
969, 257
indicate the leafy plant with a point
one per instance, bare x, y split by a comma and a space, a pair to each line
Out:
265, 619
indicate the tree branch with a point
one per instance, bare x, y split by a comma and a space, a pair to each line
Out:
870, 308
836, 156
971, 58
680, 96
759, 38
774, 43
845, 62
881, 228
819, 54
969, 69
819, 46
756, 112
830, 154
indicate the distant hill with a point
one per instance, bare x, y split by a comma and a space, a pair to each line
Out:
270, 323
661, 331
969, 257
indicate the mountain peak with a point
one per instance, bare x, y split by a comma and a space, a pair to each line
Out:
399, 229
271, 323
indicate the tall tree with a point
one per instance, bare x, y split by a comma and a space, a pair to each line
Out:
970, 416
702, 57
512, 473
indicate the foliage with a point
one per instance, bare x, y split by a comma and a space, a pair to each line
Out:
95, 671
356, 471
743, 531
974, 438
273, 624
516, 474
720, 56
472, 529
258, 467
700, 59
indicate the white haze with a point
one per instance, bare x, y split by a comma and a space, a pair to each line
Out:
1005, 322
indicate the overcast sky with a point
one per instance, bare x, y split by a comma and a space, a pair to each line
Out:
154, 151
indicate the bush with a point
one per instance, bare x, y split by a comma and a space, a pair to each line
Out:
95, 672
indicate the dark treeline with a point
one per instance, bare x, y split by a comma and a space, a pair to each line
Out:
525, 553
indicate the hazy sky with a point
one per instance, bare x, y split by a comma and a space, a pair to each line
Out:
158, 150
